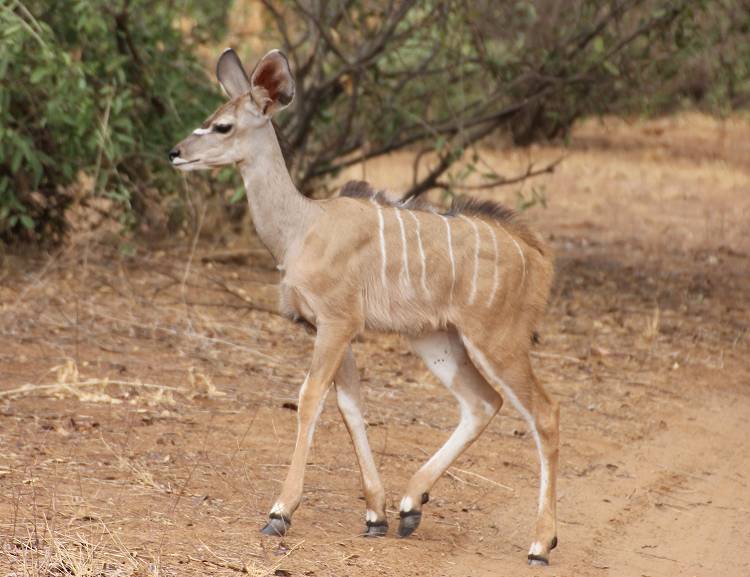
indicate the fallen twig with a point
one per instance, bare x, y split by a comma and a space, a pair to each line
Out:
478, 476
558, 357
29, 388
231, 566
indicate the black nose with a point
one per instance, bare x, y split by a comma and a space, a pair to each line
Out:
174, 153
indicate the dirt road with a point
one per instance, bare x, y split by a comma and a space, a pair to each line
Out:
146, 402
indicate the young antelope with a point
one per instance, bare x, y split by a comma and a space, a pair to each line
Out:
467, 287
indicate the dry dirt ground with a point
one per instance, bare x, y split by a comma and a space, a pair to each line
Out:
146, 401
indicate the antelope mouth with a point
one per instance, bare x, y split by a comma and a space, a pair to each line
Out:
182, 162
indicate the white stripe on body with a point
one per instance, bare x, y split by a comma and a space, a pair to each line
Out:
421, 254
450, 253
405, 255
495, 272
477, 241
523, 258
381, 223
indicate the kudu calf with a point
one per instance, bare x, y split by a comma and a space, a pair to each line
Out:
467, 287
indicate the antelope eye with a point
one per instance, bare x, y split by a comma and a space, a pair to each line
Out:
222, 128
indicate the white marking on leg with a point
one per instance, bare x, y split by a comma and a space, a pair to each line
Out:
381, 224
421, 254
536, 548
405, 253
495, 272
459, 439
277, 509
353, 415
544, 465
450, 253
444, 356
371, 516
201, 131
435, 350
318, 409
406, 504
477, 241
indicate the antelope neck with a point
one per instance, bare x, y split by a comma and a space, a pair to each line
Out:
281, 214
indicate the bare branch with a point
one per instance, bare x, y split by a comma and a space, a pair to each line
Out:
448, 127
503, 181
376, 78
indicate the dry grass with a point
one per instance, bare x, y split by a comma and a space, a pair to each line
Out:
73, 553
87, 547
102, 554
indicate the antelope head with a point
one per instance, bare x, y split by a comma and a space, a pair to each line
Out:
239, 129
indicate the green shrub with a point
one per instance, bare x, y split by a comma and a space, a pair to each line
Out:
97, 88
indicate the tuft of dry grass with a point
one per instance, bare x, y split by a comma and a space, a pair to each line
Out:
68, 383
201, 386
59, 554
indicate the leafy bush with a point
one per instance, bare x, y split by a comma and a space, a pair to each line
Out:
96, 88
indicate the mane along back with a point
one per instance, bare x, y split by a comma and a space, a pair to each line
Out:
358, 189
477, 207
461, 205
362, 189
499, 212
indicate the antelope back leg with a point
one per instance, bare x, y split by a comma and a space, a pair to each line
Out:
445, 356
514, 376
348, 398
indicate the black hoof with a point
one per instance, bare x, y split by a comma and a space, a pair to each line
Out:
376, 529
409, 522
554, 543
277, 526
538, 560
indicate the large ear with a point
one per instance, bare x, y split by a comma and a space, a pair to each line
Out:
231, 74
272, 82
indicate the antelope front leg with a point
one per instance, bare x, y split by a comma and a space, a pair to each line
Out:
348, 397
330, 345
